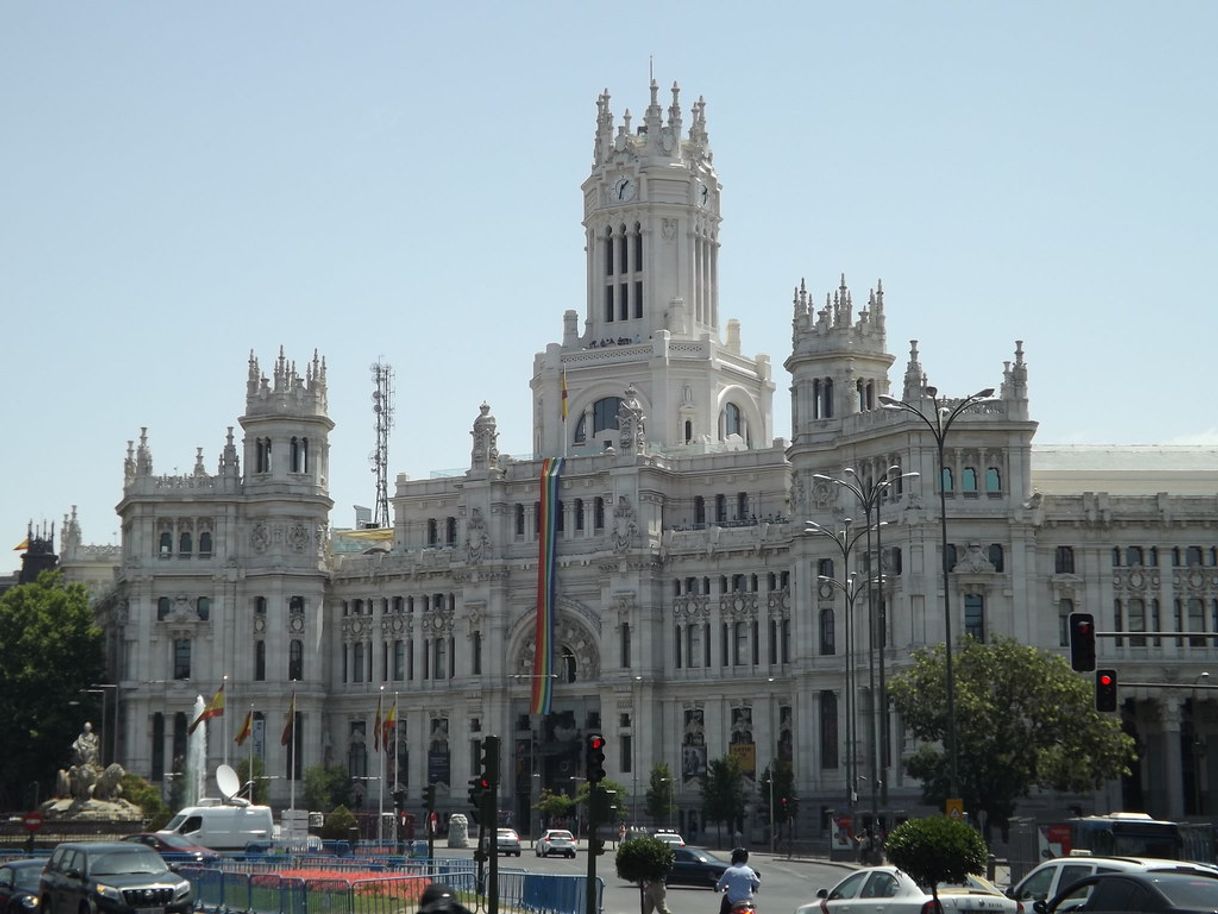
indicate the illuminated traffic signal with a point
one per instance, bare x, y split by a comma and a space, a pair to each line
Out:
490, 759
478, 788
1082, 642
594, 766
429, 798
1105, 690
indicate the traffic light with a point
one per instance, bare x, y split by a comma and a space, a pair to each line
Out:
594, 763
478, 789
429, 798
1105, 690
490, 759
1082, 642
399, 798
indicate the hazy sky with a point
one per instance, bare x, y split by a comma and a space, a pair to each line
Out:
182, 183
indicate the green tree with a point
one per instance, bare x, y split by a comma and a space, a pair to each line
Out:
551, 804
338, 824
50, 652
618, 796
1023, 720
934, 850
786, 803
262, 788
147, 797
723, 793
326, 787
661, 798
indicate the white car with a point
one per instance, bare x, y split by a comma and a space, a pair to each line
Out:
669, 837
507, 842
1054, 876
888, 889
555, 841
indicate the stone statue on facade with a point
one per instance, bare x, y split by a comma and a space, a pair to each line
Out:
477, 540
485, 452
631, 423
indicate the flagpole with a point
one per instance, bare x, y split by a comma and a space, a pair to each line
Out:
250, 737
395, 743
380, 801
224, 723
292, 756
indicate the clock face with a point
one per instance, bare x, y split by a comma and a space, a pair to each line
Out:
702, 194
623, 190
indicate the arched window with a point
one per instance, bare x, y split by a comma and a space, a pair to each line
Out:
433, 532
204, 544
733, 424
689, 431
993, 480
968, 481
699, 509
1133, 556
742, 505
203, 608
827, 634
568, 670
296, 605
166, 546
720, 509
1192, 557
357, 754
450, 530
260, 661
519, 520
598, 513
260, 606
604, 414
947, 483
824, 568
184, 544
296, 660
579, 514
162, 609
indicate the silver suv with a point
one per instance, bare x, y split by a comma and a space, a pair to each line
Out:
1052, 876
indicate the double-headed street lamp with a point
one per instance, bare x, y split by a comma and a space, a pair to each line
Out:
943, 416
870, 493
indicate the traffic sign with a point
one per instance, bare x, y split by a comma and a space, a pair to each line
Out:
32, 821
954, 808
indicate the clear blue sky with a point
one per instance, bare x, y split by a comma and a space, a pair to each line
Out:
184, 182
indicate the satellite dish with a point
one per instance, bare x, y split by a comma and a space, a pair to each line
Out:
228, 782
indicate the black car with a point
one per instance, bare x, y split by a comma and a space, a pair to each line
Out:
176, 849
1137, 893
694, 866
112, 877
19, 881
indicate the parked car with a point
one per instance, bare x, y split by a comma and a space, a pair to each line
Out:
507, 842
19, 881
111, 877
888, 889
555, 841
668, 836
1051, 878
694, 866
1138, 892
175, 848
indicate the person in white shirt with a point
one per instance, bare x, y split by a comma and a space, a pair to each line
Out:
739, 881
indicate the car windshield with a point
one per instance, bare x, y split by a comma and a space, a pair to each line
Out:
140, 860
561, 836
172, 824
970, 884
1189, 891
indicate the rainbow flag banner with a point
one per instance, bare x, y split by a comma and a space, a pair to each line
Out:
547, 576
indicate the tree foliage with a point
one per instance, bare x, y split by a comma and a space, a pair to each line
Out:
327, 787
723, 792
338, 824
786, 802
147, 797
1023, 720
644, 859
51, 651
262, 788
552, 805
934, 850
661, 798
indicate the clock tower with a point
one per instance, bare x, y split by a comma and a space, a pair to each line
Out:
651, 228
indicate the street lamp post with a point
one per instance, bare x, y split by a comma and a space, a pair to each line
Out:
944, 416
845, 540
870, 495
534, 776
634, 752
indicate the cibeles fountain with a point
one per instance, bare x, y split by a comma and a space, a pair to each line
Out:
87, 790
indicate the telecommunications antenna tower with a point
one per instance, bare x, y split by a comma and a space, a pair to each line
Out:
382, 408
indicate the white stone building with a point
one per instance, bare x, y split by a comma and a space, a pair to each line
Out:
692, 622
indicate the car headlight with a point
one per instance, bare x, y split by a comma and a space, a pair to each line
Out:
29, 902
182, 890
109, 891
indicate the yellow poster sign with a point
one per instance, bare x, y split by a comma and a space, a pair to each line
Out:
954, 809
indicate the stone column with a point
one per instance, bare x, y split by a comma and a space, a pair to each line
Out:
1172, 774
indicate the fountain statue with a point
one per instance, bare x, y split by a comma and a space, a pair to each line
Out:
86, 789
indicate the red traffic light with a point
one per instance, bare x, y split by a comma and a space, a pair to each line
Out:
484, 783
1105, 679
596, 742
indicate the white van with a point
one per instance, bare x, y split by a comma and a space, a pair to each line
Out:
223, 828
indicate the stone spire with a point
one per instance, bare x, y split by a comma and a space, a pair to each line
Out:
915, 378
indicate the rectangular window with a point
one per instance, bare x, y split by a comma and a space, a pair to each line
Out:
625, 645
638, 298
622, 250
609, 303
1137, 621
828, 729
638, 251
676, 644
609, 256
773, 638
260, 661
158, 746
627, 759
720, 509
706, 645
1063, 560
441, 651
974, 616
1064, 608
410, 660
724, 646
785, 635
181, 658
623, 305
477, 646
827, 645
756, 643
1196, 621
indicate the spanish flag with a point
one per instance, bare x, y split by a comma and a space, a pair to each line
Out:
215, 708
23, 545
390, 724
246, 728
565, 396
288, 723
376, 725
